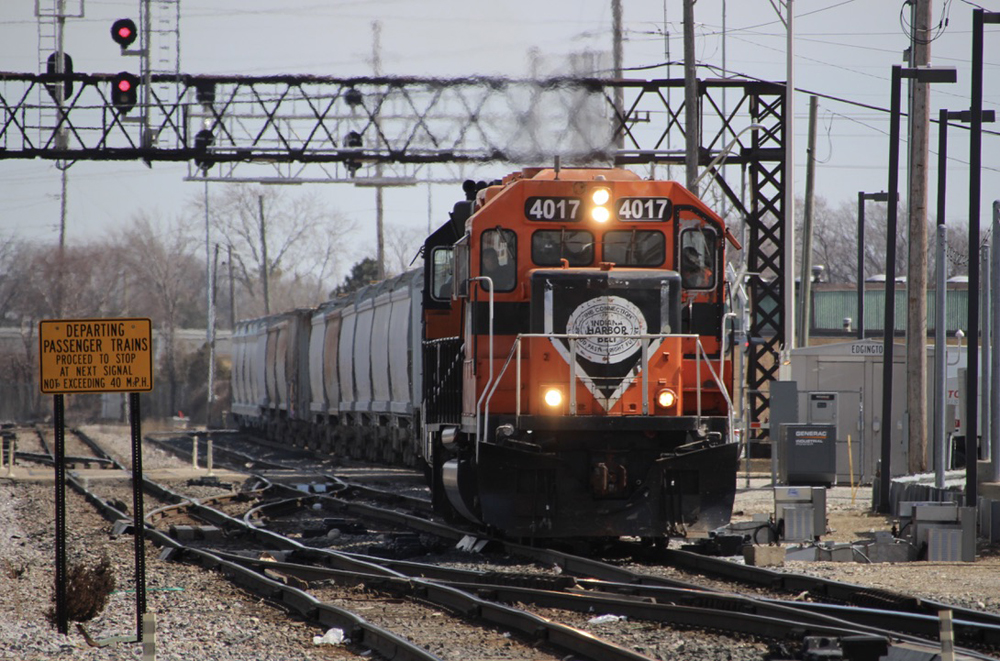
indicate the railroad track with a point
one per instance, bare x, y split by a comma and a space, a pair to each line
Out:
604, 587
238, 533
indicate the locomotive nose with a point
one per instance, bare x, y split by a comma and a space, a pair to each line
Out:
600, 319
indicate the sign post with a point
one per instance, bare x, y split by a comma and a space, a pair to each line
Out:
96, 356
62, 621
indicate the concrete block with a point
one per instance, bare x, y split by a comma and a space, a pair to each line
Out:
802, 553
836, 553
891, 551
211, 533
184, 533
764, 556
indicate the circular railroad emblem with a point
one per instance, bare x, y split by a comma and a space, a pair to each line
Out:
614, 321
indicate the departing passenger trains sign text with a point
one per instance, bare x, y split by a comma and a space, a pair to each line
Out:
95, 355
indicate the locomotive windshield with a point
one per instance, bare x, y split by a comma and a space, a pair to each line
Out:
549, 247
635, 248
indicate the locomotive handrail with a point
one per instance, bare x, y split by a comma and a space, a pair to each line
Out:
479, 404
515, 352
722, 389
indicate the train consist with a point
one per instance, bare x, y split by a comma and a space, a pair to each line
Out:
558, 366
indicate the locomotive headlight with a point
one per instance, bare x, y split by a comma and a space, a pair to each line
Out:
665, 398
600, 197
553, 397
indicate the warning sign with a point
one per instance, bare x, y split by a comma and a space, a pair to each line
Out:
95, 355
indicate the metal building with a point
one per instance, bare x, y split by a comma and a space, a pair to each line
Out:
852, 373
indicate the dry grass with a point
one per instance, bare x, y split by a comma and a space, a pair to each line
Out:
87, 591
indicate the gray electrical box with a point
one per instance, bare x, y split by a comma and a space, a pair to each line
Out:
802, 511
807, 454
822, 408
944, 532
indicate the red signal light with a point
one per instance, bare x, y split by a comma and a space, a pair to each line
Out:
124, 32
124, 91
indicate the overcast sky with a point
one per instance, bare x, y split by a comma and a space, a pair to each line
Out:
844, 49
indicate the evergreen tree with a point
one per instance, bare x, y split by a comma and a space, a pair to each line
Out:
362, 273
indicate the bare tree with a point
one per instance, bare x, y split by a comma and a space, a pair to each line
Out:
835, 241
402, 248
305, 241
10, 249
956, 249
162, 258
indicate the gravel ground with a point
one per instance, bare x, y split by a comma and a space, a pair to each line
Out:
200, 616
849, 518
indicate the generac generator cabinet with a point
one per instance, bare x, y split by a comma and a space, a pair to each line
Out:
807, 455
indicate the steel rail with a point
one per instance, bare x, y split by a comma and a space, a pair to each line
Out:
729, 613
713, 614
340, 483
455, 600
362, 632
846, 593
971, 626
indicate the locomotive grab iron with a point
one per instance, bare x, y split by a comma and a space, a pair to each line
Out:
557, 367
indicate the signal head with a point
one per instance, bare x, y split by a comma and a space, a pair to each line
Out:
124, 91
124, 32
202, 141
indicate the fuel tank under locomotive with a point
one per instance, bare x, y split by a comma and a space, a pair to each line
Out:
610, 464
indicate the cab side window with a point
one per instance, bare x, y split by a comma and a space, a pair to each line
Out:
498, 258
441, 277
697, 258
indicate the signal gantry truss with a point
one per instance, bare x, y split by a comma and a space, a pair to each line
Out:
380, 129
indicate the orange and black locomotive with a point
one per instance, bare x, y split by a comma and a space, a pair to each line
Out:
574, 379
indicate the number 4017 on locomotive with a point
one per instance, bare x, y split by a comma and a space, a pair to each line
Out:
557, 366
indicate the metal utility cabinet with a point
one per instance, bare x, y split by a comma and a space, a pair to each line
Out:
807, 454
802, 511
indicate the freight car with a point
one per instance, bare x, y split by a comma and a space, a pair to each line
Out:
557, 366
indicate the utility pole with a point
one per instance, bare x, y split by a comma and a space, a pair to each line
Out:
379, 228
211, 340
691, 131
210, 267
61, 136
789, 179
616, 51
805, 304
264, 266
916, 273
232, 289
